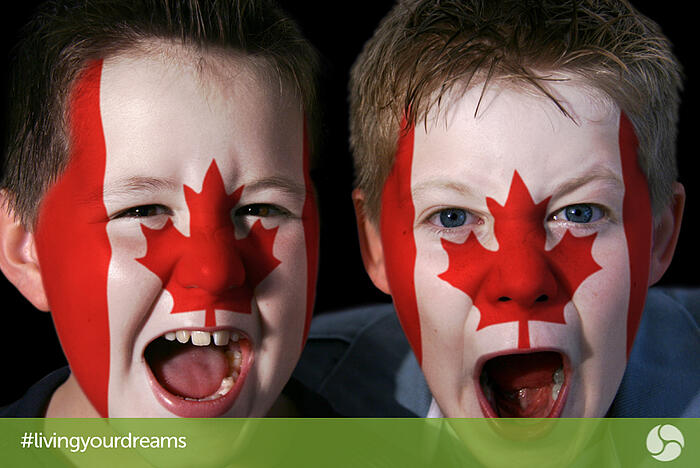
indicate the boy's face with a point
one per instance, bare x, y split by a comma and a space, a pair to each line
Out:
516, 248
178, 247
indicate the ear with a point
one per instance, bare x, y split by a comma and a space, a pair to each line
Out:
370, 244
18, 259
667, 226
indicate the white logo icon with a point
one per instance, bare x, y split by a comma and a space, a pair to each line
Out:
665, 442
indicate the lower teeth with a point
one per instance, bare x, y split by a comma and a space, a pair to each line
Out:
558, 379
485, 382
226, 385
234, 359
555, 391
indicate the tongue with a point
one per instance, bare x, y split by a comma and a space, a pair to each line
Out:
187, 370
523, 383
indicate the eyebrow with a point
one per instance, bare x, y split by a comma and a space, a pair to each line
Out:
430, 185
280, 183
140, 184
602, 174
143, 184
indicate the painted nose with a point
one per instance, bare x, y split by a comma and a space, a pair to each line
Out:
215, 267
525, 279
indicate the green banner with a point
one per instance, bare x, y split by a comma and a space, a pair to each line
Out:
509, 443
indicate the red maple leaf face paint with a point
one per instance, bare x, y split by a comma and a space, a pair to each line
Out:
516, 250
187, 221
210, 268
521, 281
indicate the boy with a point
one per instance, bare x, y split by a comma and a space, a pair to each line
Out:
516, 196
157, 200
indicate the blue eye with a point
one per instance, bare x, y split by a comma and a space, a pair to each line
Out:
581, 213
451, 218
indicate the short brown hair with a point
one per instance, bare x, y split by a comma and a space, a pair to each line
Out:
65, 36
424, 49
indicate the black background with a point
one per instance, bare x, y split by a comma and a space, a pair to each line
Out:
28, 345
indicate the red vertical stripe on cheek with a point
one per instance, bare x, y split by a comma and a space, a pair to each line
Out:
311, 234
398, 241
73, 247
636, 213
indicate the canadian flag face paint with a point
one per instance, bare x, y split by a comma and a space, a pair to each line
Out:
521, 281
517, 248
179, 247
222, 281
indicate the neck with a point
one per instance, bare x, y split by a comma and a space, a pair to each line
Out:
69, 401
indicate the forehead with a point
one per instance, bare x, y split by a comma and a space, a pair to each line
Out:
163, 114
480, 139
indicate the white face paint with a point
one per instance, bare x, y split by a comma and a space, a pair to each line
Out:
204, 192
474, 304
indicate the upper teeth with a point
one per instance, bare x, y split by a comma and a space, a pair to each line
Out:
203, 338
558, 376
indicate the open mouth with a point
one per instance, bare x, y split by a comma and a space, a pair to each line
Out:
197, 373
530, 385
